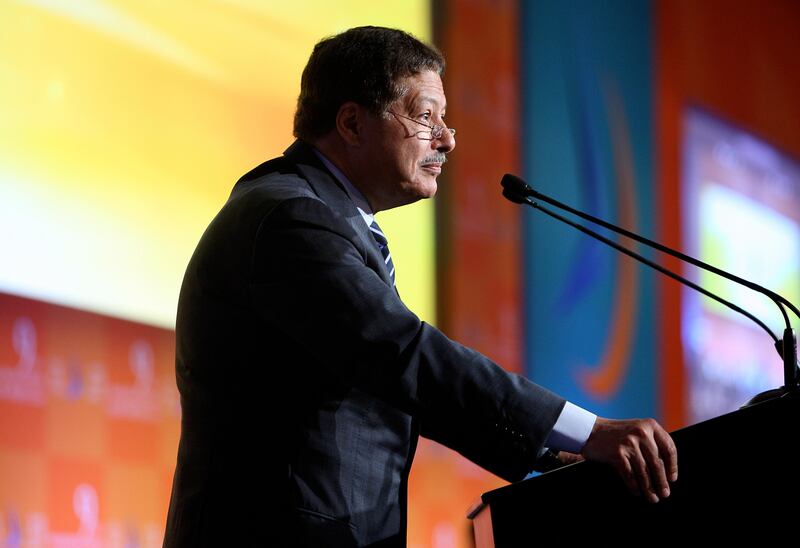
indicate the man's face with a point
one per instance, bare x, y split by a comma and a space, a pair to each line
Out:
403, 160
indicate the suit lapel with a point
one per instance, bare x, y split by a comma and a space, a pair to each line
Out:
330, 191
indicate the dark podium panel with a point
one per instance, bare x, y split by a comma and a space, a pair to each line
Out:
738, 474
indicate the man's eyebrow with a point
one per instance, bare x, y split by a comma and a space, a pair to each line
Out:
423, 99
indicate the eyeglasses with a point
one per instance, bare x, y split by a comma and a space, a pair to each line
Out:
434, 131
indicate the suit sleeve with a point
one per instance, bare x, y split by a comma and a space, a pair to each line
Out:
310, 281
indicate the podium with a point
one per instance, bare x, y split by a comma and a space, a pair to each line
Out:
737, 474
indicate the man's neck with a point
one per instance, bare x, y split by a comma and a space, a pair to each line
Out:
334, 152
355, 194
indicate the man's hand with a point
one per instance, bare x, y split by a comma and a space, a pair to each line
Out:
640, 450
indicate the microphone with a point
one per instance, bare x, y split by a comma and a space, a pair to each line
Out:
518, 191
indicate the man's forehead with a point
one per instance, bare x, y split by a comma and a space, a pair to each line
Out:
425, 87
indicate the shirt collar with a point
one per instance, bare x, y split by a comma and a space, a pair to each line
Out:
358, 199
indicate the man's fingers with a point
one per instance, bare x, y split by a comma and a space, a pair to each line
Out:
625, 470
668, 452
641, 472
655, 467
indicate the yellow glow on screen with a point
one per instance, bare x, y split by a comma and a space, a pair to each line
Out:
124, 125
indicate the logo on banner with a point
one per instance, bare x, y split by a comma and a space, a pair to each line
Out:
86, 506
137, 401
22, 382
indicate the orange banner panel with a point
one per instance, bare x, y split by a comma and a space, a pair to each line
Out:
89, 425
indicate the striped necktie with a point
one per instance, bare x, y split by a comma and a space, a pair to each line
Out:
383, 244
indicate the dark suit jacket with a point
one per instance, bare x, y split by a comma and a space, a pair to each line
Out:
305, 381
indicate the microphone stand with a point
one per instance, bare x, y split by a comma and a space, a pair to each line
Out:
516, 190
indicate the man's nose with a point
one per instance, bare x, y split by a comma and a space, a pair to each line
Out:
446, 143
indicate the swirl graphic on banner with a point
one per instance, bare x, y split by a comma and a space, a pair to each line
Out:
603, 381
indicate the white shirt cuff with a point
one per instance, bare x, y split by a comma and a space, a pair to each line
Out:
572, 429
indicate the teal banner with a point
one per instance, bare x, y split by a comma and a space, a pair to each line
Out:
591, 319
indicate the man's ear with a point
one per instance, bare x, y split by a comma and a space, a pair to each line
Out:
349, 123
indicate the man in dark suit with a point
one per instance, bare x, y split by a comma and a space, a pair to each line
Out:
291, 336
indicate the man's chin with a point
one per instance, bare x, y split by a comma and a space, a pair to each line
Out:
412, 195
424, 187
429, 190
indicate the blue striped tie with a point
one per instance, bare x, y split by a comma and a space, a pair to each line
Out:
383, 244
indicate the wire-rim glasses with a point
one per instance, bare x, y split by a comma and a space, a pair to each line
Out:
435, 131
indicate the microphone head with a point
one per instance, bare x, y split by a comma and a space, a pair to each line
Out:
515, 185
514, 197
